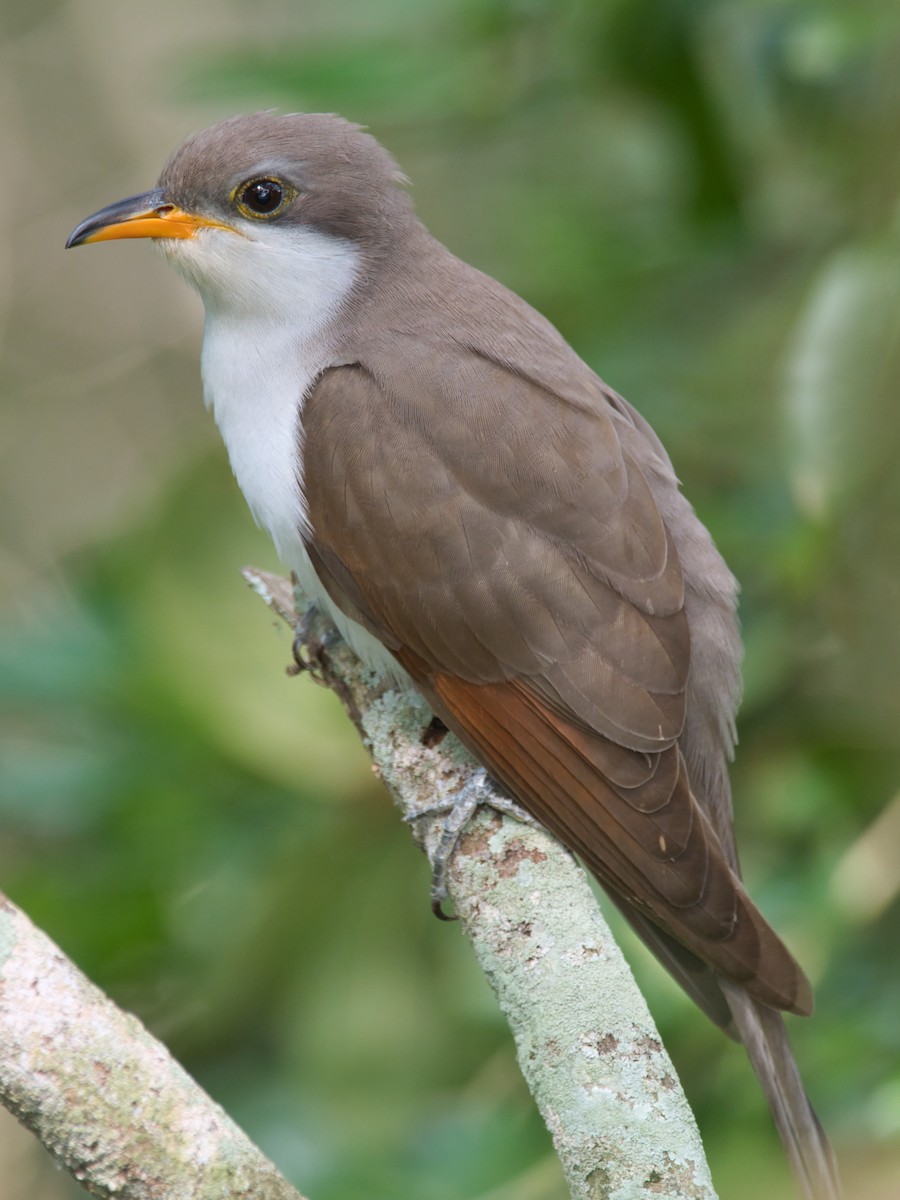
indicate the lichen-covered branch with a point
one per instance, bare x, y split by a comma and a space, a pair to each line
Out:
123, 1118
586, 1043
106, 1099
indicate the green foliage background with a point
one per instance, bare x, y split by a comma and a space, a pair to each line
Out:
703, 197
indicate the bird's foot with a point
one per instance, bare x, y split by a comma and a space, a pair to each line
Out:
314, 636
457, 812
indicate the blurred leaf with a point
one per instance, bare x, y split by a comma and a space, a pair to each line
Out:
837, 374
365, 77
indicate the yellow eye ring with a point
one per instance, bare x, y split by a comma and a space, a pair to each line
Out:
263, 198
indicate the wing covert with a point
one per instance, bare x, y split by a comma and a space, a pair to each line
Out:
522, 542
506, 545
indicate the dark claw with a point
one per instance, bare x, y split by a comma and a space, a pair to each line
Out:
457, 812
307, 637
300, 664
437, 909
302, 637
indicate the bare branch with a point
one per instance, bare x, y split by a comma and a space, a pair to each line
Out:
586, 1043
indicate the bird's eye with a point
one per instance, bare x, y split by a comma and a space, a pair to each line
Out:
263, 197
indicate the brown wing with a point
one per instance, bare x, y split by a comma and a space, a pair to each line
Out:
511, 553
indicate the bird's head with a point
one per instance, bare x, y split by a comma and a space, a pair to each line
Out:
254, 207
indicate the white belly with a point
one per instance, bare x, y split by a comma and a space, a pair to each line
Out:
255, 377
272, 293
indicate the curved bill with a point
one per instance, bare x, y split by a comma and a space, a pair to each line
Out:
151, 214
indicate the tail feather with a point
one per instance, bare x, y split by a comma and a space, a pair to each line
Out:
765, 1039
763, 1034
674, 882
699, 980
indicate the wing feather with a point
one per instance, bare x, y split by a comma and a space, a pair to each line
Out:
661, 855
507, 545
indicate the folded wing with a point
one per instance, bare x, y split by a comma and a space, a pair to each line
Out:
514, 558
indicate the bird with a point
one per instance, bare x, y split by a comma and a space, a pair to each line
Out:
486, 521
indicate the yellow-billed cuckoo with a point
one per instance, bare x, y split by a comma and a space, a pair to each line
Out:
481, 515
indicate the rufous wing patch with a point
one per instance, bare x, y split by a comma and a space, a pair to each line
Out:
649, 842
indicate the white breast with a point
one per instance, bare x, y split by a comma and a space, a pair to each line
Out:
255, 377
270, 303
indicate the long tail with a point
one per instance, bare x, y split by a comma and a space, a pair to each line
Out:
708, 928
765, 1039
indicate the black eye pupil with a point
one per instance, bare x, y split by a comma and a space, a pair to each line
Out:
263, 195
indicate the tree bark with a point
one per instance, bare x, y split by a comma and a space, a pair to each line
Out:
585, 1040
117, 1112
106, 1099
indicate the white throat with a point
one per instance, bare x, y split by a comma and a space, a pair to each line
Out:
271, 301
